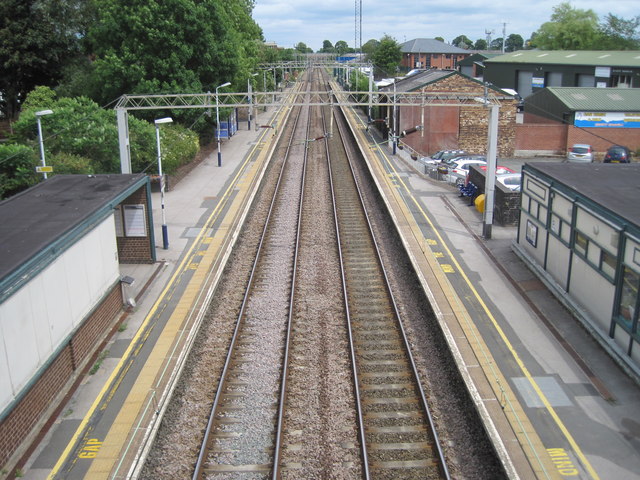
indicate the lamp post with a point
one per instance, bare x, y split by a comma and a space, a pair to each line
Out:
218, 121
165, 234
39, 114
250, 100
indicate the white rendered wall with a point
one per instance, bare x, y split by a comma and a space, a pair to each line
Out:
36, 319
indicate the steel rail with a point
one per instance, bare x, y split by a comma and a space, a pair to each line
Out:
223, 377
356, 388
442, 463
285, 366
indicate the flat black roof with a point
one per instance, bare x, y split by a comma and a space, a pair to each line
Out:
615, 187
34, 219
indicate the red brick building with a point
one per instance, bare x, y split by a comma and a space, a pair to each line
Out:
456, 126
431, 53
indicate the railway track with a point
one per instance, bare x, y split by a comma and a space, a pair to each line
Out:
245, 417
399, 439
318, 381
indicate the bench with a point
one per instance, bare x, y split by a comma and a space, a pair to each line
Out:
468, 190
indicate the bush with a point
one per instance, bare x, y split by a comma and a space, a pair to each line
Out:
80, 129
17, 169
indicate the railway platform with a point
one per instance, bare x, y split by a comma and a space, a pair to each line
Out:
555, 416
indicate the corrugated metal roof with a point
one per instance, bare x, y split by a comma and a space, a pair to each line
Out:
604, 58
429, 45
582, 99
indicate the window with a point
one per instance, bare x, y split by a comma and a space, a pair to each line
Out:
608, 264
629, 297
621, 81
580, 244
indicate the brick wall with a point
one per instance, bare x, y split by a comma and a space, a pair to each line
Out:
22, 425
136, 249
602, 138
539, 134
549, 138
470, 133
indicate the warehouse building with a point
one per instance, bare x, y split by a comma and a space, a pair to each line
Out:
528, 71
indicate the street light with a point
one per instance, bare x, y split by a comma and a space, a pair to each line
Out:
218, 121
39, 114
165, 234
250, 102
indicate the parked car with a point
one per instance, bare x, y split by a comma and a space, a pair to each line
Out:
442, 156
500, 170
510, 180
457, 169
580, 152
617, 154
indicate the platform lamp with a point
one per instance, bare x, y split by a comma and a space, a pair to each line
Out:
165, 234
218, 121
39, 114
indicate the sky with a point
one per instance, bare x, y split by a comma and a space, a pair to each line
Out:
288, 22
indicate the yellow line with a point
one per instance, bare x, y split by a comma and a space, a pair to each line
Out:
141, 331
503, 336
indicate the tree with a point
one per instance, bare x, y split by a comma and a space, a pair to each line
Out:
513, 42
387, 56
327, 47
440, 39
341, 47
481, 44
569, 29
370, 47
302, 48
496, 44
153, 46
37, 39
619, 34
462, 41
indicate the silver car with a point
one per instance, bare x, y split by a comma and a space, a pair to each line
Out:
580, 152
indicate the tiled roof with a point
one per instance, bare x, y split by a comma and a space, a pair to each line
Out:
429, 45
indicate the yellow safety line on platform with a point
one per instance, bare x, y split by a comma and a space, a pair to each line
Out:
578, 451
141, 331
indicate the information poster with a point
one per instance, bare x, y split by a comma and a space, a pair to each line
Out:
607, 119
135, 224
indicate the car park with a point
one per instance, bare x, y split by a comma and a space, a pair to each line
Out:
580, 152
617, 154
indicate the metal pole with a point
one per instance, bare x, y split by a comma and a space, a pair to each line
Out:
123, 140
165, 232
41, 145
250, 105
395, 121
489, 192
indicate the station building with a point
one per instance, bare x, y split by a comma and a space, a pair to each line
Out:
579, 230
61, 289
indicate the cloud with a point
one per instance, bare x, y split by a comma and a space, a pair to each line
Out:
312, 21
